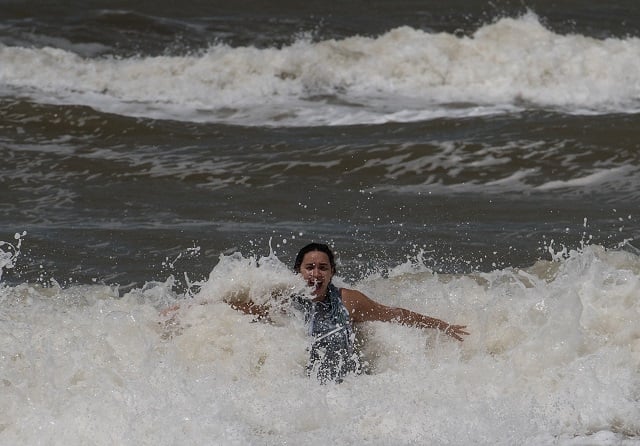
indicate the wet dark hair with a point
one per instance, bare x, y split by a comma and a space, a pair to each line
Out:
314, 247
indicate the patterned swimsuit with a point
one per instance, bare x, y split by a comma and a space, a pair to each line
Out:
332, 353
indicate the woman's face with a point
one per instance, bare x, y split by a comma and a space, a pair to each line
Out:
317, 272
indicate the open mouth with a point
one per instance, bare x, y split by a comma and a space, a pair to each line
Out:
315, 284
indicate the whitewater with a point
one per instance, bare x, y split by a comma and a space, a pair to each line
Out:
553, 358
404, 75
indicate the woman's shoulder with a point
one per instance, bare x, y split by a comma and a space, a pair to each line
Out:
348, 293
353, 299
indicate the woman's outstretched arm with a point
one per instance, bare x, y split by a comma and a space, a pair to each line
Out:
362, 309
251, 308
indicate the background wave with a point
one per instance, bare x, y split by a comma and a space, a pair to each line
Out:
403, 75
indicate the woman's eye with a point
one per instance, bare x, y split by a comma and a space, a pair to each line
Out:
319, 267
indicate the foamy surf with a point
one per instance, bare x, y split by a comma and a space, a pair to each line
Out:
403, 75
553, 358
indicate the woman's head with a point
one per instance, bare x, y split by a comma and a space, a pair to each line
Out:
316, 263
320, 247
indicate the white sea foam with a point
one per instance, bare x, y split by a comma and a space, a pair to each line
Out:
553, 358
403, 75
597, 178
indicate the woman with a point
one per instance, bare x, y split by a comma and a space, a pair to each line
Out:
332, 311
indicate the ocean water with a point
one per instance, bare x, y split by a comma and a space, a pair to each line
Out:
475, 162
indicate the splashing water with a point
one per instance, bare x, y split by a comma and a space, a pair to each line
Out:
552, 359
9, 257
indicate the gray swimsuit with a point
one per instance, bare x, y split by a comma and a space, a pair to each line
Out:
332, 353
